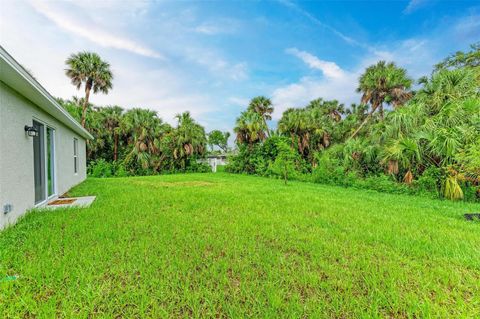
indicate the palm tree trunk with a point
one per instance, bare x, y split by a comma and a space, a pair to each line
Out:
381, 111
88, 87
374, 108
266, 127
115, 147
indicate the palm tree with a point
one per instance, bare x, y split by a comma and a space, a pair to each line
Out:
190, 138
88, 69
249, 128
296, 123
144, 130
404, 151
263, 107
383, 83
112, 121
447, 85
332, 108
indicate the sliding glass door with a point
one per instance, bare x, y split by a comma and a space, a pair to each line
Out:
43, 162
39, 162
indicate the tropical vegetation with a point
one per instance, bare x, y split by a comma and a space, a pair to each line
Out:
138, 142
403, 136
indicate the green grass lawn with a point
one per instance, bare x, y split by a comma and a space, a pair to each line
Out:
220, 245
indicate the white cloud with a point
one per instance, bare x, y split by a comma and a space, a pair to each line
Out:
308, 88
216, 64
335, 84
69, 23
329, 69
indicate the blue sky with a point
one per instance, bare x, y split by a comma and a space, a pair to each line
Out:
211, 57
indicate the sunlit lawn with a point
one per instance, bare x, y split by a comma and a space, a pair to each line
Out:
219, 245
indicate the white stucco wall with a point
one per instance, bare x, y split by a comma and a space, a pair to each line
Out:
16, 154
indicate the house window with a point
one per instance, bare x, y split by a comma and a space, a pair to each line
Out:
75, 155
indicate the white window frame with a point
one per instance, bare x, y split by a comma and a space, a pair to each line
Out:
75, 156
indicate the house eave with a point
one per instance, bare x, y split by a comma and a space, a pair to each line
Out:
16, 77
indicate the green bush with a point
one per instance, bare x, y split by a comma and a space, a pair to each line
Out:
100, 168
120, 171
197, 167
429, 181
257, 158
284, 164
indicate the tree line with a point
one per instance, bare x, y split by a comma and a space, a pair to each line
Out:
396, 139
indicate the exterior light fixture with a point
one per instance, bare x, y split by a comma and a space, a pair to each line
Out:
31, 131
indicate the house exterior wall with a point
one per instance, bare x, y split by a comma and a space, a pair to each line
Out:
16, 154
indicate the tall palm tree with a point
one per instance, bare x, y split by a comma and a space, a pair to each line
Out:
331, 108
190, 138
263, 107
249, 128
88, 69
383, 83
143, 127
296, 123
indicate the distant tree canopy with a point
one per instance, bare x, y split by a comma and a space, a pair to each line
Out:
219, 139
470, 59
137, 141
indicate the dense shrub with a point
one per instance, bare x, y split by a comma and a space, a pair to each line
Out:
259, 159
102, 168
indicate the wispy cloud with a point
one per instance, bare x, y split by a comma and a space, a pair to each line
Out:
208, 29
413, 5
238, 101
329, 69
316, 21
90, 32
335, 84
222, 26
468, 28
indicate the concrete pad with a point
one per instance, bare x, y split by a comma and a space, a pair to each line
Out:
78, 202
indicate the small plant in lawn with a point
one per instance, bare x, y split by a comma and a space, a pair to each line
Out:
284, 164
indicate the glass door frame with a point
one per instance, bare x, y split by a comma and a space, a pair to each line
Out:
53, 162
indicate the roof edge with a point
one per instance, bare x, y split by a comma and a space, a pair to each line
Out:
73, 124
